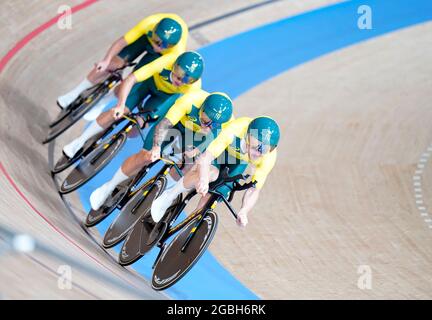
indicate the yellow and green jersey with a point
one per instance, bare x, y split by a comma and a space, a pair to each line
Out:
187, 108
169, 55
232, 139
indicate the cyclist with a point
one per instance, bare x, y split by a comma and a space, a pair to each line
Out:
242, 142
162, 37
164, 88
192, 121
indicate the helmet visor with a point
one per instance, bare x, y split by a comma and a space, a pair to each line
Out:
257, 146
180, 74
206, 121
161, 43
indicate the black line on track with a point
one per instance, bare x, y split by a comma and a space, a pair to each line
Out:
230, 14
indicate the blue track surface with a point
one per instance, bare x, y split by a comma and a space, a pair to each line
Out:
238, 64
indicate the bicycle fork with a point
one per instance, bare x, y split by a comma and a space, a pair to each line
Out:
192, 233
127, 129
163, 172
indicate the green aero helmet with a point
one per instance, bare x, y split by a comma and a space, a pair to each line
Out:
265, 130
192, 64
218, 107
169, 31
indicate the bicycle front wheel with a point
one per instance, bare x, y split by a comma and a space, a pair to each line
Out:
173, 263
69, 118
92, 164
64, 162
96, 216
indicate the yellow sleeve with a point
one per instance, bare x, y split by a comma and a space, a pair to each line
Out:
154, 67
183, 105
180, 108
264, 168
142, 28
222, 141
196, 86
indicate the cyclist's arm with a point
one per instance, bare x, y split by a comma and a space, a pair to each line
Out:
180, 108
154, 67
161, 132
264, 168
250, 198
214, 150
130, 37
125, 89
115, 49
142, 28
142, 74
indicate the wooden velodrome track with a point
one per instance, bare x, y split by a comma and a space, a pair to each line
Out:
341, 196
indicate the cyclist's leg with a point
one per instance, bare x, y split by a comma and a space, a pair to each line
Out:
195, 141
129, 168
190, 140
106, 119
136, 162
135, 96
235, 167
129, 53
159, 102
93, 78
133, 164
187, 183
158, 105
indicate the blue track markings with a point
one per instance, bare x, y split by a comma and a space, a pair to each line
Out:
240, 63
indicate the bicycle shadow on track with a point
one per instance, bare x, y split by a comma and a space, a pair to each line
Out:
23, 109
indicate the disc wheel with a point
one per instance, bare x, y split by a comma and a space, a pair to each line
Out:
96, 216
64, 162
173, 264
145, 235
132, 212
92, 164
73, 115
64, 113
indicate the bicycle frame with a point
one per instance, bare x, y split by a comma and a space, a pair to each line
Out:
164, 171
201, 213
126, 129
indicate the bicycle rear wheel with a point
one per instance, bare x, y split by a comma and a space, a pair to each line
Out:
144, 236
138, 206
173, 264
92, 164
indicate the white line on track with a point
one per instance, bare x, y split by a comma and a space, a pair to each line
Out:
418, 191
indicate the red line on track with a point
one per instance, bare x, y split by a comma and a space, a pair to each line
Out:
36, 32
3, 62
